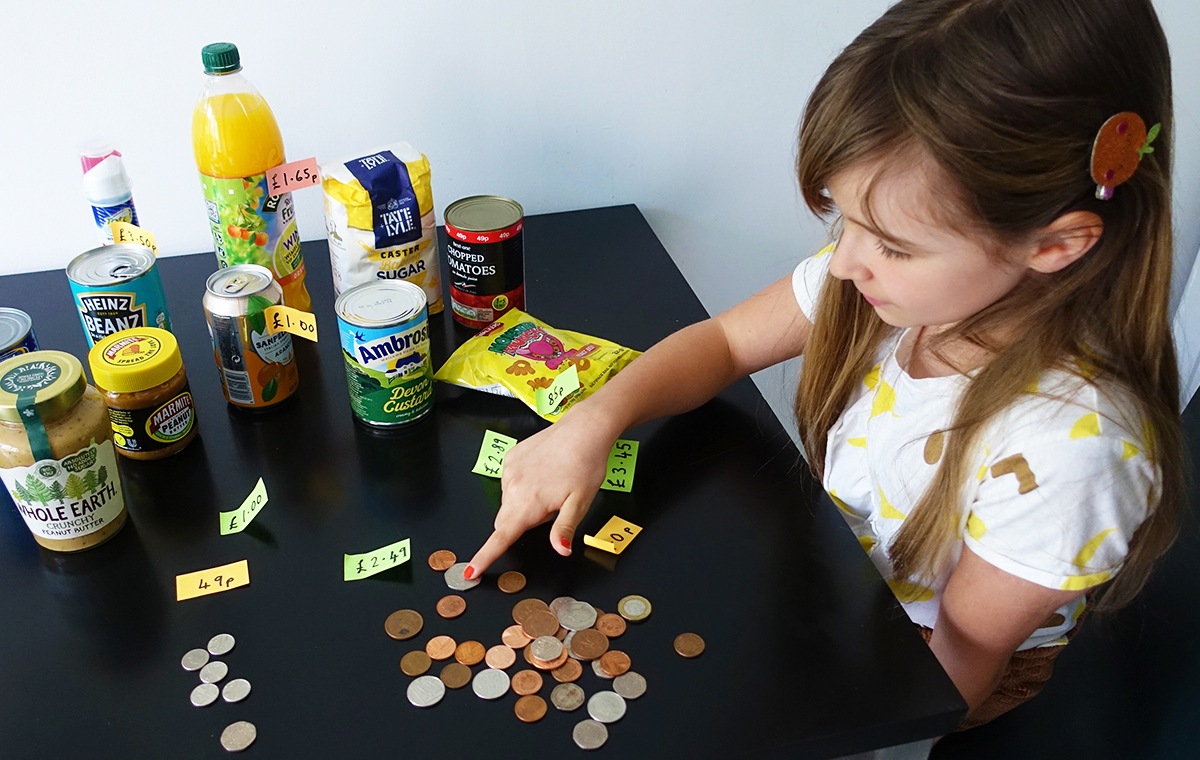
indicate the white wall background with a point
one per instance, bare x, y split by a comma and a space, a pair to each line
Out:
687, 109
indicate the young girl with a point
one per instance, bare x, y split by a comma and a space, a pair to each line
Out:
989, 390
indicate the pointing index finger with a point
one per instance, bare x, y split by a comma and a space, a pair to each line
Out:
491, 550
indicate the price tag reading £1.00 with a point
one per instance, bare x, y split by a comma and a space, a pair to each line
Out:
294, 321
549, 399
212, 581
237, 520
294, 176
614, 536
358, 566
124, 232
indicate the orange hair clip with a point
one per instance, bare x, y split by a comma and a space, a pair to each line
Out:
1119, 147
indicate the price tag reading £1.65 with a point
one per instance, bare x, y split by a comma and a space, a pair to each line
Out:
212, 581
614, 536
294, 176
549, 399
294, 321
237, 520
365, 565
124, 232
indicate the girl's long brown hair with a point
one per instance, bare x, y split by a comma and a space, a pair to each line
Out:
1007, 96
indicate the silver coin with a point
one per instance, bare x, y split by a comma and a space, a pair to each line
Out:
546, 648
598, 671
630, 686
204, 695
634, 607
214, 671
606, 706
490, 683
558, 602
220, 644
456, 581
589, 734
575, 616
567, 643
195, 659
426, 691
567, 697
237, 736
236, 690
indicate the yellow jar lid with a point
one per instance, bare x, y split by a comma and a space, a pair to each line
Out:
134, 360
51, 380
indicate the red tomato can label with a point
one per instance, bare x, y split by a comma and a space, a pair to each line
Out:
486, 254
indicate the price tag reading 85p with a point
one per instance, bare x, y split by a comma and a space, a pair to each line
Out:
357, 566
549, 399
621, 462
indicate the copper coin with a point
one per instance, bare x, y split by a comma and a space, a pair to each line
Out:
403, 624
441, 560
470, 653
589, 643
511, 582
530, 709
440, 648
525, 607
689, 645
514, 637
610, 625
415, 663
500, 657
615, 663
529, 655
451, 606
455, 675
557, 662
599, 612
561, 635
527, 682
569, 671
540, 623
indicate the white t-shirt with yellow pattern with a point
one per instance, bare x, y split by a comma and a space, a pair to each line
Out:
1060, 486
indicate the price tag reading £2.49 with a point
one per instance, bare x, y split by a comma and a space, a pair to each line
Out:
357, 566
212, 581
237, 520
294, 321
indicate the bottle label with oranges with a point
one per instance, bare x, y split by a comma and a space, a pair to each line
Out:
250, 226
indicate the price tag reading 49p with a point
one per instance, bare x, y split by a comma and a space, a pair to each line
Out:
357, 566
212, 581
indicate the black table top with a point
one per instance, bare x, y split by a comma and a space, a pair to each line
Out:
808, 654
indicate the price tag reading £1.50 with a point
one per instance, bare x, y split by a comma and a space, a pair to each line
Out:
614, 536
124, 232
237, 520
212, 581
294, 176
549, 399
618, 476
357, 566
294, 321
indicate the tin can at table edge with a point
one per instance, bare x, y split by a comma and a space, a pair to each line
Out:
230, 322
22, 341
390, 351
120, 309
487, 266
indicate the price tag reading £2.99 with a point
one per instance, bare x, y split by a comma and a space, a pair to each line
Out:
294, 176
237, 520
357, 566
212, 581
294, 321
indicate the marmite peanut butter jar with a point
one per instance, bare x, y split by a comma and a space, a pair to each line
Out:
56, 452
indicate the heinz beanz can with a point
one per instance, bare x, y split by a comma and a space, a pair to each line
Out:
257, 370
384, 330
117, 287
486, 254
16, 333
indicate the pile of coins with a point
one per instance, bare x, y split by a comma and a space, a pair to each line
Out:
236, 736
555, 638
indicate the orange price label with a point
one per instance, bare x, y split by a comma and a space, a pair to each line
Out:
124, 232
212, 581
294, 176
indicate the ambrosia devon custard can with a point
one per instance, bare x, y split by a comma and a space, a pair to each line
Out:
486, 254
384, 331
117, 287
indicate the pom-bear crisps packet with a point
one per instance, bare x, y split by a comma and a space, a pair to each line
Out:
518, 354
379, 219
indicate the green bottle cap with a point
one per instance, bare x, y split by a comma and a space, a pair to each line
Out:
220, 58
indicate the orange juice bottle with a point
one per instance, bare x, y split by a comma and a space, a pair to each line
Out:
236, 140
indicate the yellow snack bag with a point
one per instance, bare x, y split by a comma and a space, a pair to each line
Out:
518, 354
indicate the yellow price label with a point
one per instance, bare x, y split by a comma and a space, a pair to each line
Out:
614, 536
355, 566
237, 520
212, 581
124, 232
294, 321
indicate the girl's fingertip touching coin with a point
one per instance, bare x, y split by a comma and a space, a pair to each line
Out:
468, 573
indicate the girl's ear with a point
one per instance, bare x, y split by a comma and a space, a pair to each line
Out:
1065, 241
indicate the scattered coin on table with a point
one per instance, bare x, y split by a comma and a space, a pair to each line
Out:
569, 671
403, 624
634, 608
514, 637
562, 633
455, 675
527, 682
599, 670
214, 671
237, 736
611, 625
558, 602
589, 644
689, 645
470, 653
440, 648
205, 694
511, 582
220, 644
451, 606
530, 709
236, 690
194, 659
567, 697
490, 683
500, 657
540, 623
526, 607
631, 685
442, 560
590, 734
415, 663
426, 691
615, 663
606, 706
575, 616
455, 579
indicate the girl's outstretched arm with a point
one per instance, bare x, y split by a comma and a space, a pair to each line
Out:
561, 468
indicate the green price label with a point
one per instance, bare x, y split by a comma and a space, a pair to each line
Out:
549, 399
621, 461
358, 566
237, 520
491, 454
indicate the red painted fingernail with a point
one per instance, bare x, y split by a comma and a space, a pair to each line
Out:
566, 544
468, 573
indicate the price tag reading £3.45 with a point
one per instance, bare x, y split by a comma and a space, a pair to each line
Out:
294, 176
357, 566
618, 476
212, 581
237, 520
294, 321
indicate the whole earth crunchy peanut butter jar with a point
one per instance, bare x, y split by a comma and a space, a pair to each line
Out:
56, 452
140, 374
